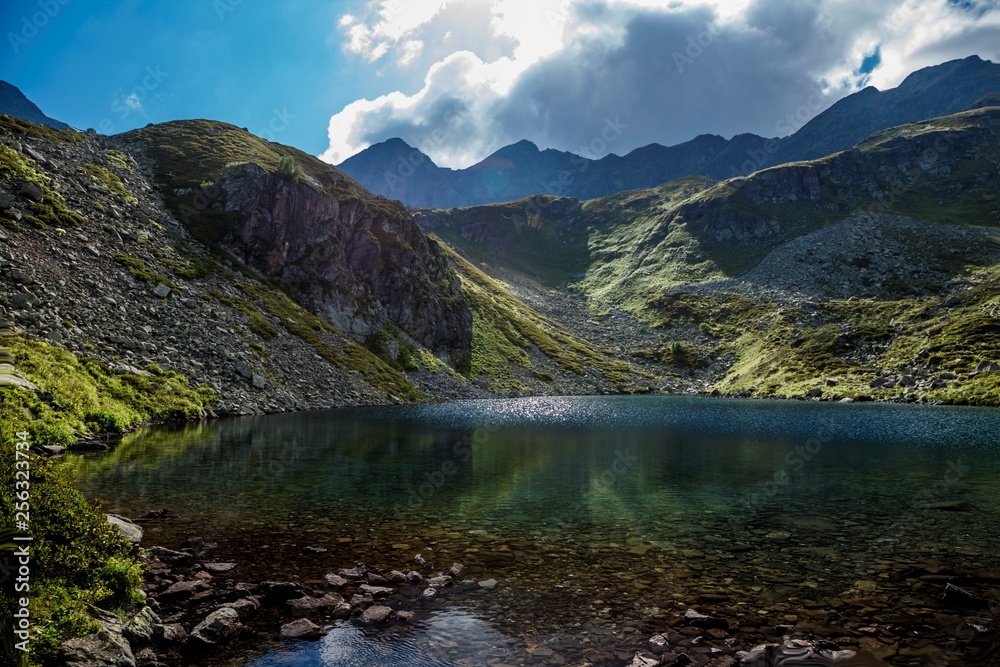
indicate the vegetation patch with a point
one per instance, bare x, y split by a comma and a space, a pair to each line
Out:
11, 126
110, 181
504, 329
79, 558
138, 270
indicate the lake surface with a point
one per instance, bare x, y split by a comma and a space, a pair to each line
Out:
601, 518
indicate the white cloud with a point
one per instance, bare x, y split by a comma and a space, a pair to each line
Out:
553, 70
134, 102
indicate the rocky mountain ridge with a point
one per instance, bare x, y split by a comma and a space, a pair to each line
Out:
399, 171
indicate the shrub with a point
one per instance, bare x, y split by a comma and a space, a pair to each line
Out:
288, 169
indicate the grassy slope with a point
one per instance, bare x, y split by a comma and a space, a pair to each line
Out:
79, 558
504, 330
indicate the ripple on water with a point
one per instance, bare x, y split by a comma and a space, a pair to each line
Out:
447, 638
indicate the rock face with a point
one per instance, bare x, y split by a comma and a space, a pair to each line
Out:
105, 648
363, 263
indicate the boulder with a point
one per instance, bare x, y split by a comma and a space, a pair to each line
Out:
377, 614
303, 628
161, 291
105, 648
245, 607
220, 626
141, 628
129, 530
31, 191
334, 581
375, 591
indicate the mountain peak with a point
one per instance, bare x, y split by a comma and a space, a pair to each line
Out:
14, 103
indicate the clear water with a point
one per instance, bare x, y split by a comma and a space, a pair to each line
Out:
599, 516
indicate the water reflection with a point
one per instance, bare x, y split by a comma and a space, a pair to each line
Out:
588, 510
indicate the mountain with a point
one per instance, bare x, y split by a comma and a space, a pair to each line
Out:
14, 103
876, 267
401, 172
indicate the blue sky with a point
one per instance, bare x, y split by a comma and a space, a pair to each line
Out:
462, 78
232, 61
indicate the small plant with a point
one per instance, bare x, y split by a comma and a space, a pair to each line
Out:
288, 169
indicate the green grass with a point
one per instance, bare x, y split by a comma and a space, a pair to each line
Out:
78, 558
138, 270
16, 127
118, 160
110, 181
52, 211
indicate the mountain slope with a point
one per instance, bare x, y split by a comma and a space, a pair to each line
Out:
14, 103
521, 170
771, 266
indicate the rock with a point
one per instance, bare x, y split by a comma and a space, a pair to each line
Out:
986, 366
907, 381
283, 591
303, 628
488, 584
245, 607
815, 392
311, 550
141, 628
361, 601
376, 615
657, 643
375, 591
161, 291
221, 625
395, 577
699, 620
439, 581
429, 594
167, 556
420, 560
357, 572
219, 568
832, 382
31, 191
802, 652
414, 578
182, 590
334, 581
24, 300
948, 505
343, 610
129, 530
307, 604
960, 598
105, 648
456, 570
173, 633
643, 661
882, 383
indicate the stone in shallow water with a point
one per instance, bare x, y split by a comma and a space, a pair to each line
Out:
375, 591
429, 594
456, 570
303, 628
376, 614
219, 568
220, 625
334, 581
439, 582
488, 584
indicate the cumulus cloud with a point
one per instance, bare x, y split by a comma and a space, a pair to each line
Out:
558, 72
